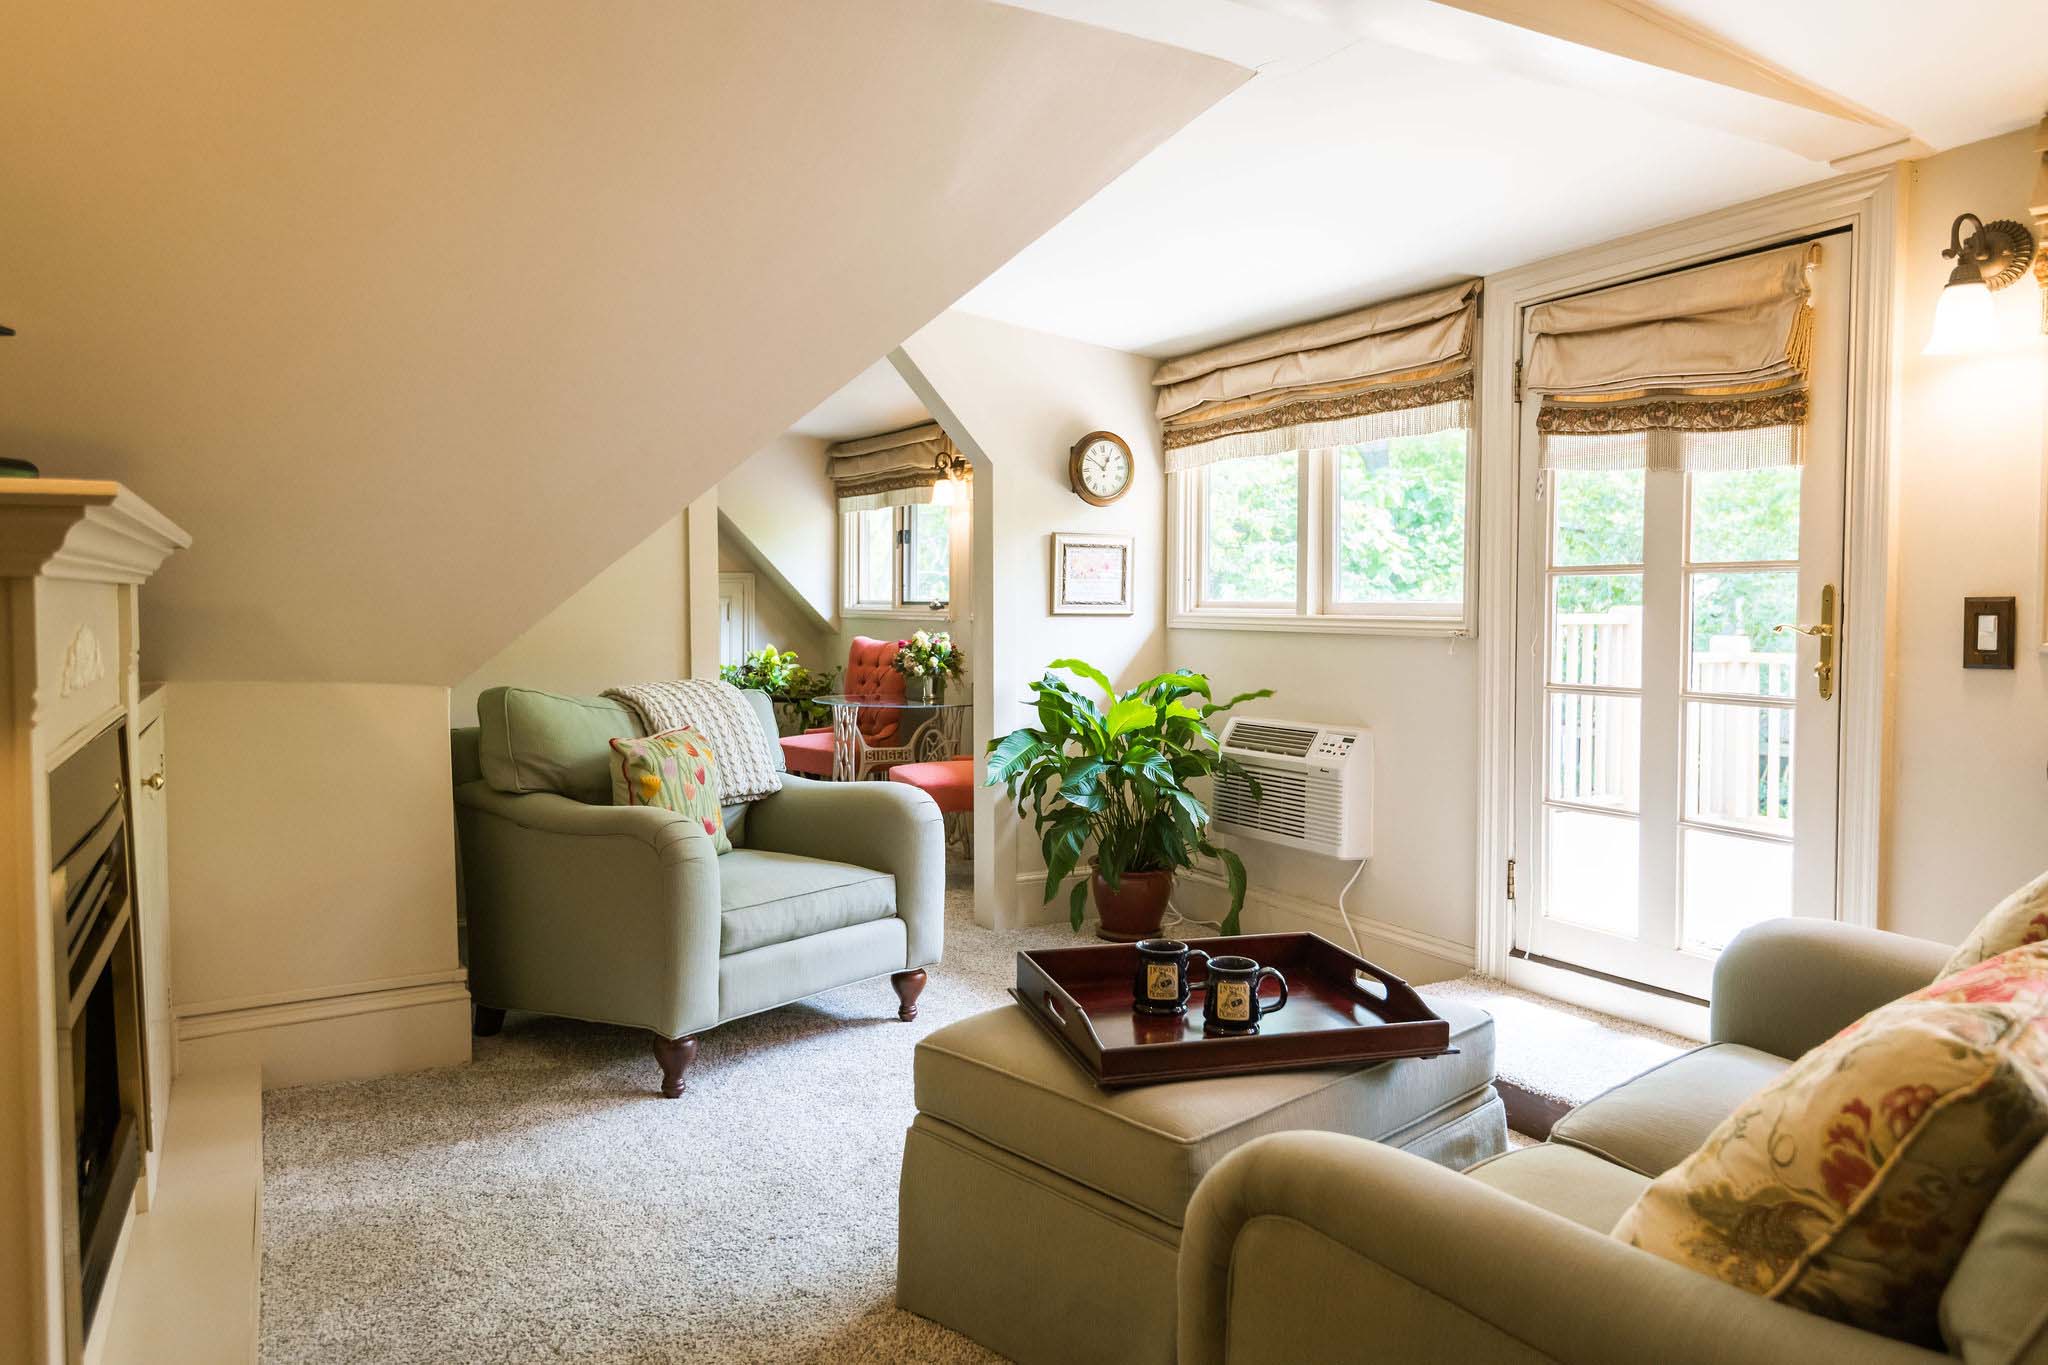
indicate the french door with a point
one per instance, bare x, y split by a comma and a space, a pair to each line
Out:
1676, 687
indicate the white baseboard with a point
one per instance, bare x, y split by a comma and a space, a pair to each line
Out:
346, 1032
1278, 912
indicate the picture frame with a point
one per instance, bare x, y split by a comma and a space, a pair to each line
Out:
1092, 574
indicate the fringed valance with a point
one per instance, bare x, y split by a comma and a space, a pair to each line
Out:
1402, 368
894, 469
1704, 369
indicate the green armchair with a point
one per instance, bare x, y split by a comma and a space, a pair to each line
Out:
1313, 1246
625, 915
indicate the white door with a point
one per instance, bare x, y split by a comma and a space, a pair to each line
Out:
1676, 759
735, 616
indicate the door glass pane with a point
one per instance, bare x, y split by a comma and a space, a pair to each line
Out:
1249, 533
1730, 883
1593, 749
1401, 520
1596, 629
1738, 766
1734, 646
875, 533
1591, 870
1746, 515
1598, 516
927, 564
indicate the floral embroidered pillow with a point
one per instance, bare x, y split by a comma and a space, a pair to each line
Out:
675, 770
2020, 918
1851, 1185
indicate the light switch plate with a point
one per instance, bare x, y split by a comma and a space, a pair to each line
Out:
1987, 631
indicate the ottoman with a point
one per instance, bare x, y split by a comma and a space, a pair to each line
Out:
1041, 1216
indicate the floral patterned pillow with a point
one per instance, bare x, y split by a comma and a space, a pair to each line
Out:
1851, 1184
2020, 918
675, 770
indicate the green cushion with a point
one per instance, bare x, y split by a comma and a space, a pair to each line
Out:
1660, 1118
676, 771
1004, 1079
539, 742
778, 897
532, 741
1565, 1181
1995, 1309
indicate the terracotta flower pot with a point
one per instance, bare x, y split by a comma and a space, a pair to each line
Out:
1134, 910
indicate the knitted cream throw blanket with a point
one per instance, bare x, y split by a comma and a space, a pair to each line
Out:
716, 710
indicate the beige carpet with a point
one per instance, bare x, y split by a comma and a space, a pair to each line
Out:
542, 1204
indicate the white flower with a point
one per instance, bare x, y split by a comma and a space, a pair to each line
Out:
920, 639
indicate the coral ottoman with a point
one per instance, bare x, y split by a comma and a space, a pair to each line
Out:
1041, 1216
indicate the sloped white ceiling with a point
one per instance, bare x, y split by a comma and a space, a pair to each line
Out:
419, 315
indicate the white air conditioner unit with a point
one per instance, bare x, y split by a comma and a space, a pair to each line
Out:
1315, 785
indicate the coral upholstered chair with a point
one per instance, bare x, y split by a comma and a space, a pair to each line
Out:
870, 672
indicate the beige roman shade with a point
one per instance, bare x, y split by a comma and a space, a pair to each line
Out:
1702, 369
1396, 369
894, 469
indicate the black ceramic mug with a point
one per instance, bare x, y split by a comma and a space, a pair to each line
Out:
1161, 985
1233, 1004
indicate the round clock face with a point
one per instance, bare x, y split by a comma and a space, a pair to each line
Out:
1105, 467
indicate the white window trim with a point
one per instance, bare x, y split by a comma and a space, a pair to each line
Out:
1314, 610
850, 604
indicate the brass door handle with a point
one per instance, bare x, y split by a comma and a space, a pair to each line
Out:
155, 781
1824, 631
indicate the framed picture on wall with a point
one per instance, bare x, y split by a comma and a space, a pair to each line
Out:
1091, 574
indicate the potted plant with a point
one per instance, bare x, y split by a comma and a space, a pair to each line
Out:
1120, 778
790, 685
926, 661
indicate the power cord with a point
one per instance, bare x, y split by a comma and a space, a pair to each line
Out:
1345, 914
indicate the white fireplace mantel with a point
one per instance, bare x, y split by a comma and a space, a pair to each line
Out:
73, 554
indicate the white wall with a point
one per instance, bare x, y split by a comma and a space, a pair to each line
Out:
779, 505
632, 623
312, 865
1016, 401
1968, 814
779, 619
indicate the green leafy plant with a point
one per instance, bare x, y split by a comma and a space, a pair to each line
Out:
783, 678
1118, 776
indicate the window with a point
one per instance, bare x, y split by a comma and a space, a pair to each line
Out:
898, 558
1358, 537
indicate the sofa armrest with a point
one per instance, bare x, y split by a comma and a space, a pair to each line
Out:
1316, 1246
607, 913
889, 826
1787, 985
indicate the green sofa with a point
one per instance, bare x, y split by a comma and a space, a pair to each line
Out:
625, 915
1312, 1246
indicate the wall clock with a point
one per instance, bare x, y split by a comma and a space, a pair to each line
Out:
1099, 468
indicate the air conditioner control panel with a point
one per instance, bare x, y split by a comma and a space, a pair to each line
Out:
1334, 746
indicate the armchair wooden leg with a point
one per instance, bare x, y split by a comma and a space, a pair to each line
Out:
486, 1020
674, 1054
909, 985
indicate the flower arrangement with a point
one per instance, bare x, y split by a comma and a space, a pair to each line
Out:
926, 660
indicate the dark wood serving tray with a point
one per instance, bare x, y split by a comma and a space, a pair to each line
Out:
1341, 1010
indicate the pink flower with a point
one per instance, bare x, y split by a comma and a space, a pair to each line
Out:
1905, 1107
710, 825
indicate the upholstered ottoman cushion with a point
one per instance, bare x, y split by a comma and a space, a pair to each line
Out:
1002, 1077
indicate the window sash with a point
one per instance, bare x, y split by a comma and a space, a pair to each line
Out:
882, 583
913, 519
1318, 532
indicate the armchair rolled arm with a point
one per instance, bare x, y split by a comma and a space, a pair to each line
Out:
1787, 985
1315, 1246
888, 826
595, 912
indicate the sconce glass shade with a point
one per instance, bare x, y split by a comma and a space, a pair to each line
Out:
946, 493
1964, 321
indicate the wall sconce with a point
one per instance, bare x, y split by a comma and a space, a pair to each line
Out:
1991, 257
954, 472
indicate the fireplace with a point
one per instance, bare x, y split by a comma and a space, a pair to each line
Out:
99, 1014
